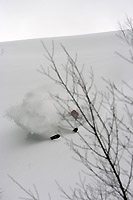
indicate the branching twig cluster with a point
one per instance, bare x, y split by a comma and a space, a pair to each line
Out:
126, 35
109, 136
29, 193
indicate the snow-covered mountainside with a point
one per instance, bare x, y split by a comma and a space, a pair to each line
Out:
33, 160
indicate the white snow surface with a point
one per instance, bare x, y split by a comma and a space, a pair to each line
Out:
25, 99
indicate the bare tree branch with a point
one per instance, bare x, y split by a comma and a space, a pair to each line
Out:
109, 138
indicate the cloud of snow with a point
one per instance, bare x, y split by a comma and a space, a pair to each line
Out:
36, 114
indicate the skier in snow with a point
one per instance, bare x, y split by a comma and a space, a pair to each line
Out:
37, 114
75, 115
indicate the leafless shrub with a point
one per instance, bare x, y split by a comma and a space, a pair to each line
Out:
106, 117
126, 35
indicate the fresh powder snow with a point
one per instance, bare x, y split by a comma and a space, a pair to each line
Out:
25, 99
38, 114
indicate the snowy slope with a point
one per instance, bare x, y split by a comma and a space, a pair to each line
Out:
41, 162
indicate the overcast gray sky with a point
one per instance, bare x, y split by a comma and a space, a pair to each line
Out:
25, 19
